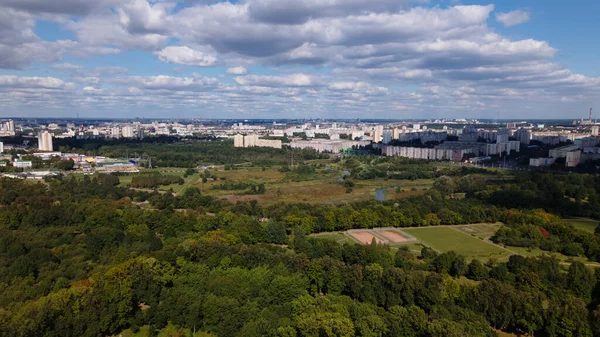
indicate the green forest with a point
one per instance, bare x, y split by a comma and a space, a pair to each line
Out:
87, 257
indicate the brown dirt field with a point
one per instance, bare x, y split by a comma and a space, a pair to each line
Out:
394, 237
365, 237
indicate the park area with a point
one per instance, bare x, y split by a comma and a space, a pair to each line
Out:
468, 240
585, 224
320, 187
444, 239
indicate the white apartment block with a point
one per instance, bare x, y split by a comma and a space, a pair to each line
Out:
326, 145
127, 132
45, 141
426, 153
254, 141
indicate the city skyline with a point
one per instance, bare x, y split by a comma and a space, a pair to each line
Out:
378, 59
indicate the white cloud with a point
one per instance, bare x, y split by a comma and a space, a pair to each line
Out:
294, 80
11, 81
513, 18
187, 56
170, 83
326, 57
237, 71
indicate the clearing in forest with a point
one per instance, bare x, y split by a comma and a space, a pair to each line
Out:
444, 239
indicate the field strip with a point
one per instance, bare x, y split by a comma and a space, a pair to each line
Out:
488, 242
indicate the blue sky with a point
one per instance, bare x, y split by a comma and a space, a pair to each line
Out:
300, 59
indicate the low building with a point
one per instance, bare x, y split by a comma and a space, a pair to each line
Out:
23, 163
538, 162
116, 166
561, 152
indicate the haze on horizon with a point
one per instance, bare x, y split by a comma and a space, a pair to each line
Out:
299, 59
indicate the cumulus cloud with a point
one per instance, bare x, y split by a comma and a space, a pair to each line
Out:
187, 56
294, 80
11, 81
169, 83
355, 56
509, 19
300, 11
360, 87
70, 7
237, 71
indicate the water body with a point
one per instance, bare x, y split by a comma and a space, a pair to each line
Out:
380, 193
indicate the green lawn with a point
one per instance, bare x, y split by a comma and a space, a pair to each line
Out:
482, 230
535, 252
337, 237
444, 239
587, 225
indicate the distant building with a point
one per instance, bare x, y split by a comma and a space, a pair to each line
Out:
7, 128
376, 134
22, 163
456, 154
127, 132
387, 137
523, 136
254, 141
45, 141
238, 140
115, 132
326, 145
561, 152
594, 130
1, 147
537, 162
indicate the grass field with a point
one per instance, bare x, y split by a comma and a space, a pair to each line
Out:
337, 237
317, 188
481, 231
587, 225
444, 239
535, 252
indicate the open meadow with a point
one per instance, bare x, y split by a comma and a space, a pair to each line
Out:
444, 239
317, 188
467, 240
585, 224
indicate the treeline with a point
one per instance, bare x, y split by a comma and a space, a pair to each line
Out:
155, 180
190, 153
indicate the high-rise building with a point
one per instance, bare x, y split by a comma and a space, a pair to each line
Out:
594, 130
115, 132
523, 136
387, 137
396, 133
11, 125
127, 132
45, 141
238, 140
377, 135
1, 147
